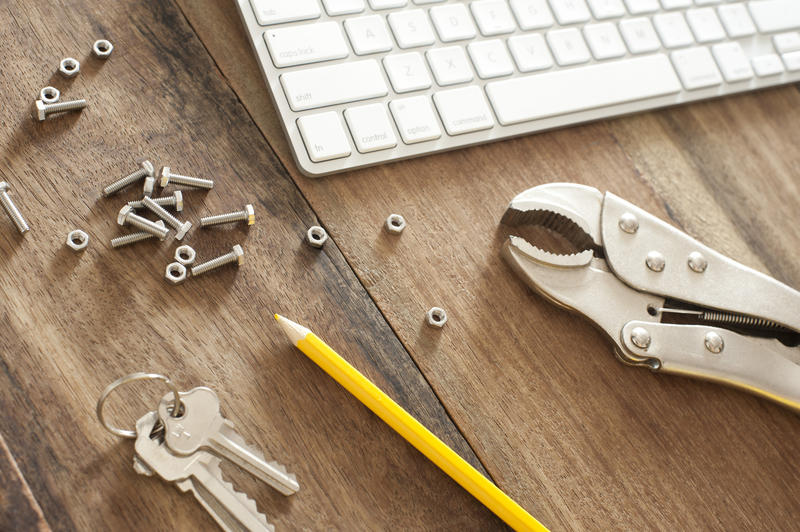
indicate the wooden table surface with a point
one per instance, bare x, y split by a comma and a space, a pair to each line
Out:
529, 394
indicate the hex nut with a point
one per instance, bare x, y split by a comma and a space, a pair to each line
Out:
77, 240
69, 67
185, 255
395, 224
102, 48
316, 236
49, 95
176, 273
437, 317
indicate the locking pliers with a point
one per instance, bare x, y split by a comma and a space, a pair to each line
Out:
667, 301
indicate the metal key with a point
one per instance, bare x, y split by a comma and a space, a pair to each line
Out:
200, 474
201, 426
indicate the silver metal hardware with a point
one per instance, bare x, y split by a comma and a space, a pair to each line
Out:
102, 48
77, 240
185, 255
316, 236
132, 238
628, 223
395, 224
640, 337
49, 95
69, 67
655, 261
245, 215
166, 177
149, 185
176, 200
42, 110
11, 209
235, 256
714, 342
126, 216
133, 377
146, 170
181, 227
176, 273
436, 317
697, 262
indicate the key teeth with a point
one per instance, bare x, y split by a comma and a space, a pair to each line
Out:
243, 498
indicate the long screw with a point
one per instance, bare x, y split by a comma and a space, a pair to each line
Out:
127, 217
147, 170
132, 238
41, 110
247, 215
236, 255
11, 209
176, 200
166, 177
181, 227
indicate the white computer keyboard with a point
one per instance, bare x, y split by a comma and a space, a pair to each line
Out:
362, 82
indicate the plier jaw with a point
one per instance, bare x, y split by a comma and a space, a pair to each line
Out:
667, 301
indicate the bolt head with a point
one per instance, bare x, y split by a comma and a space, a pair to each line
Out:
239, 252
39, 110
640, 337
182, 230
697, 262
163, 176
178, 200
123, 214
251, 214
655, 261
3, 186
149, 168
628, 223
149, 185
714, 342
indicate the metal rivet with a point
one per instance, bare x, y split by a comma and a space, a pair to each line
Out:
655, 261
628, 223
697, 262
640, 337
714, 342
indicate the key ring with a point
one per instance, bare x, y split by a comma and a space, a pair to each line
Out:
125, 380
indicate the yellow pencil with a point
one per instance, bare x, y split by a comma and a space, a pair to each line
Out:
409, 428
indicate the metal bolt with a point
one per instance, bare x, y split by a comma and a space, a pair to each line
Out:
149, 185
181, 227
697, 262
128, 217
655, 261
146, 170
628, 223
236, 255
166, 177
132, 238
247, 215
41, 110
11, 209
714, 342
176, 200
640, 337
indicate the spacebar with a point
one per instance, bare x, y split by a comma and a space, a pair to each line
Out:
578, 89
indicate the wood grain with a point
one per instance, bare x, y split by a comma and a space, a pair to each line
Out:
580, 440
18, 508
72, 323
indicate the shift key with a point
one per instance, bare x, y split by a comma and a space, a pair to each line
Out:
330, 85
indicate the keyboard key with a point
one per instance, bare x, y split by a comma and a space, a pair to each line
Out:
452, 22
568, 46
530, 52
604, 40
603, 9
411, 28
305, 43
563, 91
570, 11
493, 17
278, 11
532, 14
639, 35
736, 20
705, 25
767, 65
640, 7
787, 42
490, 58
732, 62
386, 4
775, 15
792, 61
449, 65
675, 4
407, 72
343, 7
696, 68
370, 127
463, 110
368, 35
673, 30
331, 85
324, 136
415, 119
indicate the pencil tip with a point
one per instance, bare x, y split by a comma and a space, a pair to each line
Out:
294, 331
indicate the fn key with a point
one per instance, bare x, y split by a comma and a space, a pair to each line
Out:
324, 136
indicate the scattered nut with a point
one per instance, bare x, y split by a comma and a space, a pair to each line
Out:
69, 67
176, 273
185, 255
395, 224
77, 240
317, 236
49, 95
102, 48
437, 317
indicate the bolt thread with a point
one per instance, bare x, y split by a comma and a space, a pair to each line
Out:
62, 107
13, 213
146, 225
191, 181
132, 238
159, 211
119, 184
213, 264
167, 201
223, 218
